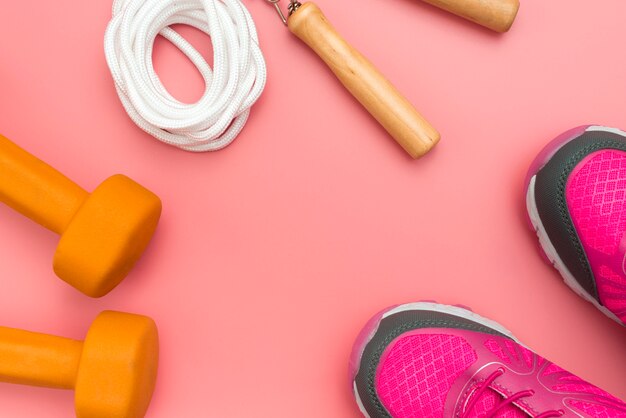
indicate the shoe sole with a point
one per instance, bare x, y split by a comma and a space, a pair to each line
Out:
534, 221
369, 331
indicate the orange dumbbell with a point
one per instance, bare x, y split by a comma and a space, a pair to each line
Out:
113, 372
103, 233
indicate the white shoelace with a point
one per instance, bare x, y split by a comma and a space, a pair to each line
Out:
232, 87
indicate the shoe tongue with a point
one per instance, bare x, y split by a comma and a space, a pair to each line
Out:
488, 401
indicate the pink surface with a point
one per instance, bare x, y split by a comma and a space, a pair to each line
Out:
272, 253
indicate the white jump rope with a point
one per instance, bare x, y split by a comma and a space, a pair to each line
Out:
232, 87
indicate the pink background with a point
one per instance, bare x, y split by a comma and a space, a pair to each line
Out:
272, 253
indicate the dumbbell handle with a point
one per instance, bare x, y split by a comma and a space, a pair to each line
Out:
37, 190
388, 106
496, 15
34, 359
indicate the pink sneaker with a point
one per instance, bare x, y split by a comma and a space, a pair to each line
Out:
435, 361
576, 202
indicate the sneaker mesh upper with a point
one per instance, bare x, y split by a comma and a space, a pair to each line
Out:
596, 198
490, 400
415, 377
595, 410
417, 372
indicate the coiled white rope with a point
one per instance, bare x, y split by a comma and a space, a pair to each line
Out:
232, 87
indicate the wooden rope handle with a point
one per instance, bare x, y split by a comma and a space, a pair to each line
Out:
497, 15
392, 110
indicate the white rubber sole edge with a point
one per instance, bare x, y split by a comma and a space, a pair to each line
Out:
598, 128
553, 256
435, 307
